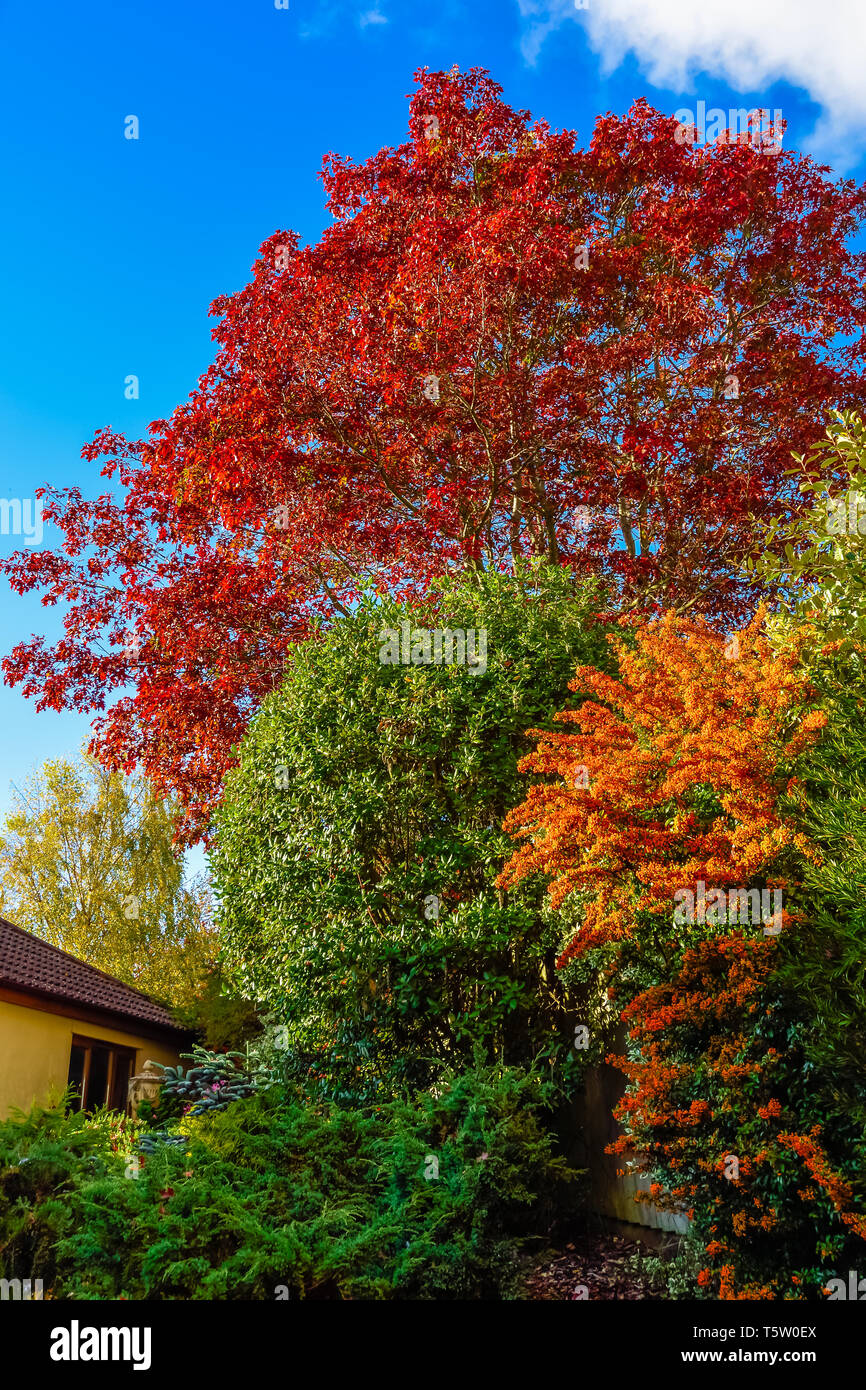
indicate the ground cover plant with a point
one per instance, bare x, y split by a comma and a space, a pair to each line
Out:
269, 1197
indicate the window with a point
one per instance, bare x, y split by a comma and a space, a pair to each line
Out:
99, 1073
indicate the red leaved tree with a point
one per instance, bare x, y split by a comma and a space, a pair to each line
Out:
504, 345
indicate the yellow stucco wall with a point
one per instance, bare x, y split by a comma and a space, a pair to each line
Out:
34, 1053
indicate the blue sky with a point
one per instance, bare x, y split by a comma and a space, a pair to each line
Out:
112, 249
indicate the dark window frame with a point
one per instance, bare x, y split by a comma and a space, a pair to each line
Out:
120, 1067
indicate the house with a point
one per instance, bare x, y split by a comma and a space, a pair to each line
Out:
63, 1022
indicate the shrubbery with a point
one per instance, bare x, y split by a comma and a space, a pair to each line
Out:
47, 1158
388, 1133
424, 1197
358, 845
712, 761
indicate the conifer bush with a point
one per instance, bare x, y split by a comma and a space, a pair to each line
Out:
428, 1196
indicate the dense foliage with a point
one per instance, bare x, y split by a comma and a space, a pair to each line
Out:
518, 390
684, 755
502, 346
47, 1157
815, 563
88, 863
356, 851
744, 1105
424, 1197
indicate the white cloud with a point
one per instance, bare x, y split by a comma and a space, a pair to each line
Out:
330, 15
749, 44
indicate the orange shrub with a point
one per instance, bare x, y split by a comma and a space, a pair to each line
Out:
670, 776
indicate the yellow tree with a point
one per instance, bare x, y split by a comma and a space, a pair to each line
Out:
87, 863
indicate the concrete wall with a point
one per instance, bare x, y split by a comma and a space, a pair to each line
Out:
35, 1047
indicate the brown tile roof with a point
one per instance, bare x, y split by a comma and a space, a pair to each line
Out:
29, 964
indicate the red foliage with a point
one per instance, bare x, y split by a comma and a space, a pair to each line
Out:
457, 257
